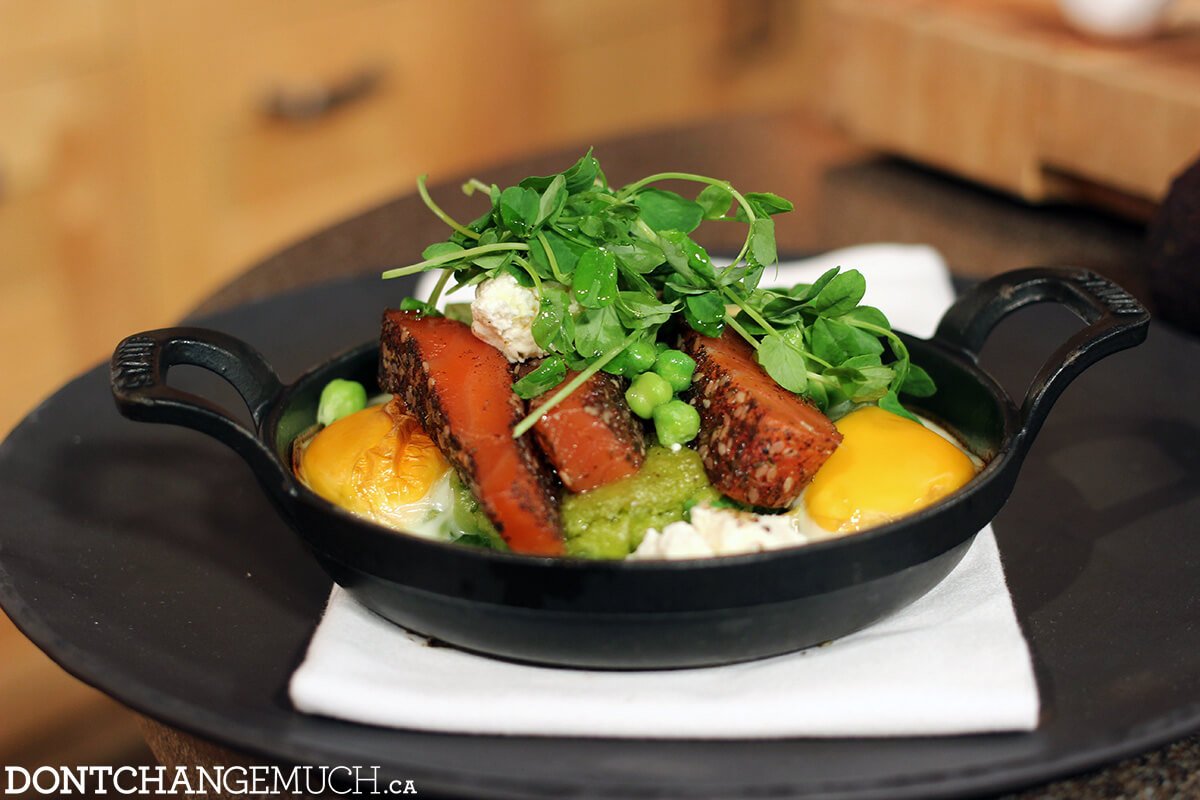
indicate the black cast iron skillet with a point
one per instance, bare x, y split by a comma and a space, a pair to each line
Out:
621, 615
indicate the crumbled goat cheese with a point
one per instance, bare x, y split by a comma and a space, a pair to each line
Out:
719, 532
502, 315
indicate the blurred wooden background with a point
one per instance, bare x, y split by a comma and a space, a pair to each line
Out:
151, 149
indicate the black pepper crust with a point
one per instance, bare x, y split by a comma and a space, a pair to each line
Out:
760, 443
603, 397
618, 447
404, 372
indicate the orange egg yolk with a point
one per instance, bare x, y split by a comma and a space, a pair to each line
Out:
886, 466
373, 462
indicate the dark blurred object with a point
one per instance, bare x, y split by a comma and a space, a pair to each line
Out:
309, 102
1175, 252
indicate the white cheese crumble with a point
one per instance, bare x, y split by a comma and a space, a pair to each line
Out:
502, 315
719, 532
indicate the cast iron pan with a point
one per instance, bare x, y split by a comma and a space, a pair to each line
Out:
604, 614
147, 562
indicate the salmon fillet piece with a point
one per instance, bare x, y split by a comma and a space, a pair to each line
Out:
461, 389
591, 438
760, 443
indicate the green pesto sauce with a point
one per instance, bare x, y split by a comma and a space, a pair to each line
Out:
611, 521
466, 523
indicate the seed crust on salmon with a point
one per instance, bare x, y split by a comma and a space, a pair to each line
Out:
760, 443
591, 438
461, 389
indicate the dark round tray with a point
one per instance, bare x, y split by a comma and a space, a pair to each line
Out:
145, 560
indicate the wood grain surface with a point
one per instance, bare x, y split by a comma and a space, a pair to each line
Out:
1004, 92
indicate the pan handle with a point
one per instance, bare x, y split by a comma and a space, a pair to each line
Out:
139, 385
1115, 321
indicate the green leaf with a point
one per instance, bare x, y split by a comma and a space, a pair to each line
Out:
595, 278
676, 287
764, 204
583, 173
491, 261
688, 259
754, 273
835, 341
578, 177
746, 275
598, 330
519, 210
705, 313
918, 383
823, 344
890, 402
749, 325
420, 306
714, 201
641, 310
783, 311
592, 226
566, 253
547, 375
538, 183
554, 327
440, 249
762, 241
867, 314
863, 361
816, 393
769, 203
519, 275
482, 221
784, 362
633, 280
870, 384
639, 256
804, 292
459, 312
552, 200
841, 294
667, 211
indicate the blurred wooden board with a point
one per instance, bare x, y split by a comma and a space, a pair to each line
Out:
1003, 92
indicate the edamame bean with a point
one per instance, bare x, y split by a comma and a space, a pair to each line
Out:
676, 422
639, 357
340, 398
676, 367
647, 392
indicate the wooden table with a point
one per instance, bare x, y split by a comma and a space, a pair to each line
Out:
843, 196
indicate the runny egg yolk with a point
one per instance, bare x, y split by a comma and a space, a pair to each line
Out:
886, 466
377, 462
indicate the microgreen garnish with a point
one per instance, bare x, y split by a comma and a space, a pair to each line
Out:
611, 267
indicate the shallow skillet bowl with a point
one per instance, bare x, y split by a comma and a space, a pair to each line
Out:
620, 615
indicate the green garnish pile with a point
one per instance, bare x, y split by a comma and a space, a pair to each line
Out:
614, 268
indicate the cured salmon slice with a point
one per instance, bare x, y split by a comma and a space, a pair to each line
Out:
760, 443
591, 438
461, 389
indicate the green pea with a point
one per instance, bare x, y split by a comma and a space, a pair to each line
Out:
647, 392
659, 347
340, 398
676, 422
639, 357
676, 367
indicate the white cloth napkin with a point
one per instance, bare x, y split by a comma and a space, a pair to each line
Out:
953, 662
